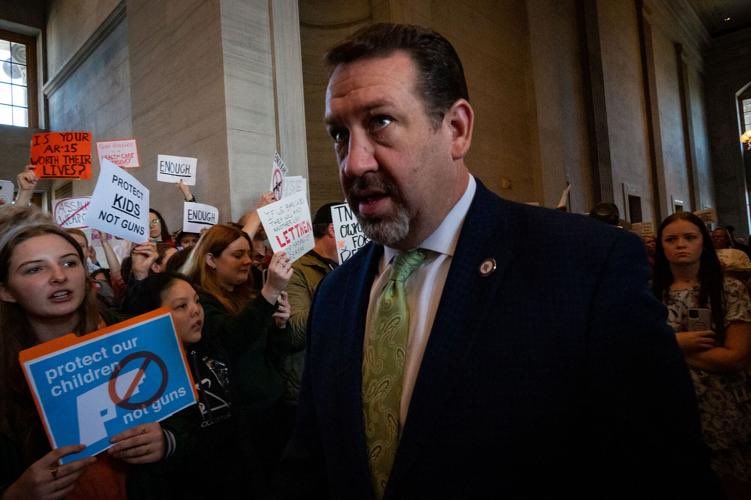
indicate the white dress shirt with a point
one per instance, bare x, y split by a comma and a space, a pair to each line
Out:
424, 288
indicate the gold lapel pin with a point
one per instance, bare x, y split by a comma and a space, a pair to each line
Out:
487, 267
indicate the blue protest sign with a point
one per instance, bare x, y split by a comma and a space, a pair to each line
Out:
89, 388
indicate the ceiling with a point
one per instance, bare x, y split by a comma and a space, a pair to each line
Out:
721, 17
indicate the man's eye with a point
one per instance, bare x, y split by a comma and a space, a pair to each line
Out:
380, 122
339, 135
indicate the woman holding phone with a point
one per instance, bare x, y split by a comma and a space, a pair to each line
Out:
688, 278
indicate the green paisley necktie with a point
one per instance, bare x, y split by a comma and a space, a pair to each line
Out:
383, 367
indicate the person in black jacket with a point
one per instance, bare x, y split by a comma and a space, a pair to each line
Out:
205, 442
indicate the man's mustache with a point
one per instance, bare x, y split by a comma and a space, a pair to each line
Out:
369, 183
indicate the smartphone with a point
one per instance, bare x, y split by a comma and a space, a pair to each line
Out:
699, 318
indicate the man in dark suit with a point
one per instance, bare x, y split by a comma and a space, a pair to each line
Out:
535, 362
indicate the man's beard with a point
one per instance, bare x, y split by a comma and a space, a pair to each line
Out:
386, 231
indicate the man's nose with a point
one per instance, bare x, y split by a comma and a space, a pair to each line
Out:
360, 156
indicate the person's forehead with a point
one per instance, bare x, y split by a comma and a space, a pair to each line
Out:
44, 244
371, 82
238, 244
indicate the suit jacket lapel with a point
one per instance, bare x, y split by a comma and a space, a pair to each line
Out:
466, 300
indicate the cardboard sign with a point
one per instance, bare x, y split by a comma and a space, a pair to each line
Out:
643, 228
124, 154
295, 184
288, 226
61, 155
119, 205
175, 168
347, 231
89, 388
198, 216
71, 212
707, 215
278, 175
6, 192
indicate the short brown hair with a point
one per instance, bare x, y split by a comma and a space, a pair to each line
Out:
440, 79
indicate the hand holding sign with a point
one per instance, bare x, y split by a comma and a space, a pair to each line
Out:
140, 445
280, 271
62, 155
93, 387
46, 477
27, 179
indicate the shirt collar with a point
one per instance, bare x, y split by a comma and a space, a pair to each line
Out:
444, 239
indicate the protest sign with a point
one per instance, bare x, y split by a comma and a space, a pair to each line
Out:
347, 231
707, 215
6, 192
176, 168
89, 388
288, 226
119, 205
278, 175
61, 155
294, 184
198, 216
124, 154
71, 212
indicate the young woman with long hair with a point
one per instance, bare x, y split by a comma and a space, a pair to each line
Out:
252, 328
209, 441
45, 293
687, 275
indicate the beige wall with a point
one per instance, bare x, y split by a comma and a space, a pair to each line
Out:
625, 104
96, 98
561, 108
177, 94
69, 24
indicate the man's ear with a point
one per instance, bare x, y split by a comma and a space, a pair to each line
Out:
5, 294
460, 119
330, 230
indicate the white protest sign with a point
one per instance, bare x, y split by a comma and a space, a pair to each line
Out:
198, 216
6, 192
294, 184
176, 168
119, 205
122, 153
278, 175
71, 212
347, 231
288, 225
89, 388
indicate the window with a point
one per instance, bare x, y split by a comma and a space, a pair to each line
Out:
746, 114
17, 80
